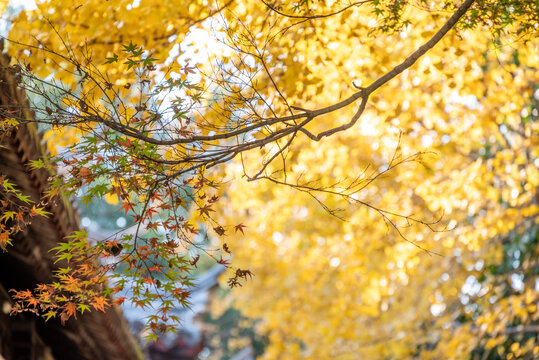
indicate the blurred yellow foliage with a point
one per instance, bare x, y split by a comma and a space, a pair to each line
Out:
356, 289
368, 286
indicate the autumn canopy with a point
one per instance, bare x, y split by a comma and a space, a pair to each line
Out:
368, 171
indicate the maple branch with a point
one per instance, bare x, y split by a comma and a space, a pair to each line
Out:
310, 115
315, 16
408, 62
214, 157
221, 154
423, 48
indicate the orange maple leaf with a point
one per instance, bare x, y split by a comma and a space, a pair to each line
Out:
33, 301
4, 237
99, 303
71, 310
149, 280
119, 300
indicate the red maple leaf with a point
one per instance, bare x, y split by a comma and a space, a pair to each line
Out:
219, 230
240, 227
126, 143
194, 261
126, 206
149, 212
205, 210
